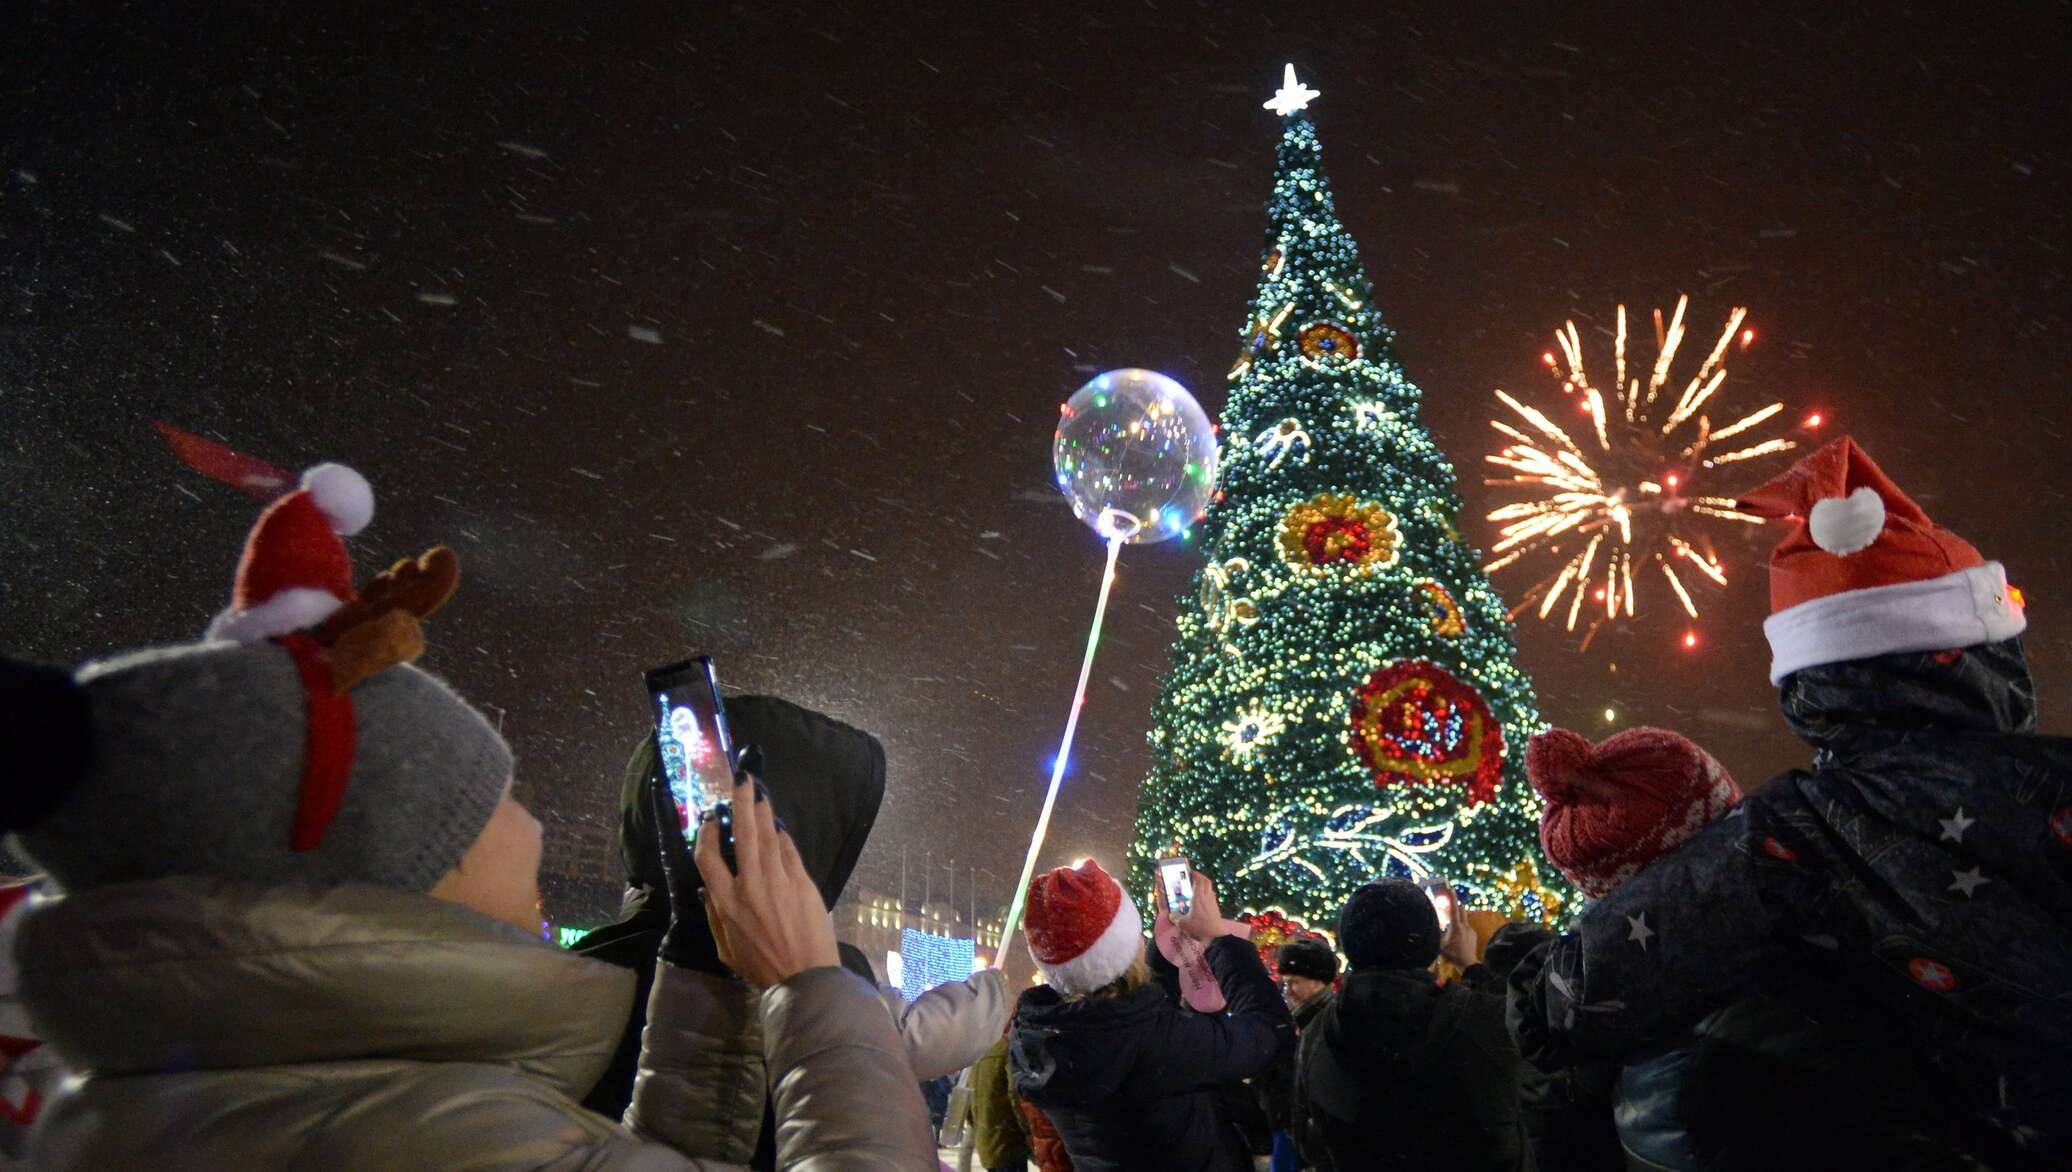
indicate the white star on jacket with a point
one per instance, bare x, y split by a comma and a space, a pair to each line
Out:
1966, 881
1955, 826
1638, 931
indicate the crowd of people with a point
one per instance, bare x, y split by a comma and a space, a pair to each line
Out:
287, 915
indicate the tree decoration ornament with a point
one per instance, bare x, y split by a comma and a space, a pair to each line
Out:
1414, 724
1312, 577
1328, 344
1518, 893
1628, 498
1339, 534
1446, 617
1254, 726
1292, 96
1283, 439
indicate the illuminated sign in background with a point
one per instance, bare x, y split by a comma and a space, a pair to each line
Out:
928, 960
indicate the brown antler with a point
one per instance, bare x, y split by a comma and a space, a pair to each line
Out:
379, 629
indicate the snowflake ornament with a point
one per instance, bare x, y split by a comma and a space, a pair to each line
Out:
1255, 725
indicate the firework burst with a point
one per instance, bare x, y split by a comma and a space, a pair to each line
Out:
1627, 502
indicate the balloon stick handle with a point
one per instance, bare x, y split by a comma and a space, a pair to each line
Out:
1057, 769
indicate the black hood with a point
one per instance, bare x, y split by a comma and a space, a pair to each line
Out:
825, 778
1862, 705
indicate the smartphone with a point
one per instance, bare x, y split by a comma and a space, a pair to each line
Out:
1176, 875
692, 743
1442, 902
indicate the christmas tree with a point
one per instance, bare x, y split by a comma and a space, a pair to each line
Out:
1343, 703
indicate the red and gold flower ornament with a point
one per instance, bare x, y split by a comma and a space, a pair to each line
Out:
1339, 535
1328, 344
1273, 928
1413, 723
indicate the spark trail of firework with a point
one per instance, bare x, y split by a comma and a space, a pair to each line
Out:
1628, 500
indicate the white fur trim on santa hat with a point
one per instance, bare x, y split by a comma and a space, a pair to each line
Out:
297, 608
342, 495
1106, 959
1963, 609
1843, 525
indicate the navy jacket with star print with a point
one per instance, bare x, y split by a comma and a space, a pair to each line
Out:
1920, 871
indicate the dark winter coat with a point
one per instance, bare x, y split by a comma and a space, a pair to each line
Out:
1002, 1135
1277, 1086
1922, 871
825, 780
1400, 1071
1133, 1082
1567, 1113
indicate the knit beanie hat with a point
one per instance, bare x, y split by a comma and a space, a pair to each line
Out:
1307, 956
1083, 930
1615, 807
1389, 925
189, 760
1865, 572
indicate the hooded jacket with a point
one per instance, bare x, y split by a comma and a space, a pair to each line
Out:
1567, 1113
227, 1025
825, 780
1134, 1082
1921, 870
1400, 1071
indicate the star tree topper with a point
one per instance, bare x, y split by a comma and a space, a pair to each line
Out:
1292, 96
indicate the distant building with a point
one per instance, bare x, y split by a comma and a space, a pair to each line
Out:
872, 921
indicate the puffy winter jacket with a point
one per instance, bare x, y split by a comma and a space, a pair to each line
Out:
234, 1026
1046, 1146
1134, 1082
1002, 1133
1567, 1113
1400, 1071
1921, 870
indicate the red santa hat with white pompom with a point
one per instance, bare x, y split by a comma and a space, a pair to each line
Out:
295, 570
1865, 572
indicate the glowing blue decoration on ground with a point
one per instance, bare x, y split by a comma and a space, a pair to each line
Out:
1136, 456
928, 960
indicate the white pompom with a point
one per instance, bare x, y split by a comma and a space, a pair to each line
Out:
1845, 525
342, 495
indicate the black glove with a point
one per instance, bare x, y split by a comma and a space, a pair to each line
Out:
689, 941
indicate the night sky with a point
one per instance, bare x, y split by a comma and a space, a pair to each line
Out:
743, 329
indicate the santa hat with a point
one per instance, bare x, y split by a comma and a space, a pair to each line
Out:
295, 570
1865, 572
1615, 807
1083, 930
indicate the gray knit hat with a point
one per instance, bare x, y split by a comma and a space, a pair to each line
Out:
188, 760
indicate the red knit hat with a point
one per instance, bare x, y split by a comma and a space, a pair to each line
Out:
1865, 572
1083, 930
295, 570
1615, 807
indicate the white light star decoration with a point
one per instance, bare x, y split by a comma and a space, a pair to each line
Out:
1255, 725
1292, 95
1283, 439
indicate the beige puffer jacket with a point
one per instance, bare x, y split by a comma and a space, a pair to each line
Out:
233, 1026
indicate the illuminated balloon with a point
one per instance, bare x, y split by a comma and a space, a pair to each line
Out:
1135, 455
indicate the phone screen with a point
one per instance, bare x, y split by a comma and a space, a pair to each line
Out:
1441, 904
691, 740
1177, 877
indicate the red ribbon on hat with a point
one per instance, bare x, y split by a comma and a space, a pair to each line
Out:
327, 759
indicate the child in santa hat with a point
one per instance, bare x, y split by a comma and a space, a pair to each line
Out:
1127, 1075
299, 925
1920, 872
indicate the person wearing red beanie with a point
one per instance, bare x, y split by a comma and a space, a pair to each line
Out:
1128, 1076
1912, 889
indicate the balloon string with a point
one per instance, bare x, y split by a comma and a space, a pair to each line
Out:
1057, 769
